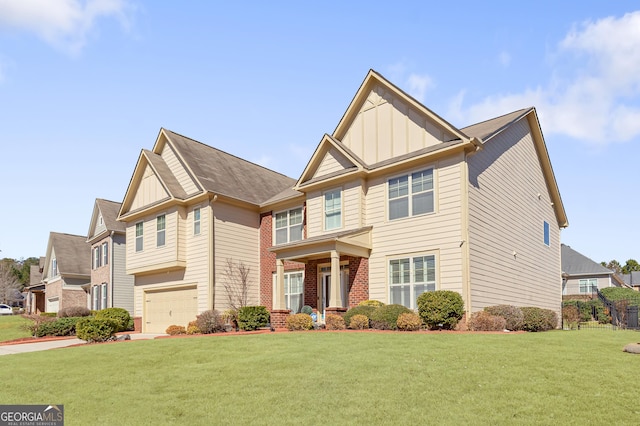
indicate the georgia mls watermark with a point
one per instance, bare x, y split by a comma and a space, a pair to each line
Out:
31, 415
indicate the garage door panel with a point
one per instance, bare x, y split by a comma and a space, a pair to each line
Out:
170, 307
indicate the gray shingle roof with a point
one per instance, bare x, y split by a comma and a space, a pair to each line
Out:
109, 211
73, 254
225, 174
632, 279
574, 263
164, 172
486, 129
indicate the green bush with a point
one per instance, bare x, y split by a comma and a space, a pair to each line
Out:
365, 310
359, 322
374, 303
297, 322
210, 322
48, 314
119, 315
334, 322
620, 293
485, 321
306, 309
409, 321
94, 329
571, 316
74, 311
513, 316
253, 317
386, 317
440, 309
538, 319
175, 330
60, 327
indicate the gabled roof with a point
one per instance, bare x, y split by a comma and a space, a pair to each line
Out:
487, 129
109, 212
72, 254
574, 263
632, 279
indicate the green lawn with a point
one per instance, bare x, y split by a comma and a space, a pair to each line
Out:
12, 327
560, 377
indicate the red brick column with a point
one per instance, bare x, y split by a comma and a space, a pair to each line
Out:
137, 324
279, 318
358, 280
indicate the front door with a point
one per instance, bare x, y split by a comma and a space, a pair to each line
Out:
326, 287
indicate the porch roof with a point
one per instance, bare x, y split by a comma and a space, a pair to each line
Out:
353, 242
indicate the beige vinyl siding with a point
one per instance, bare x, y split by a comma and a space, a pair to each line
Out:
178, 169
351, 205
352, 212
98, 228
122, 284
149, 191
439, 233
315, 213
572, 286
505, 217
387, 127
333, 161
237, 236
172, 251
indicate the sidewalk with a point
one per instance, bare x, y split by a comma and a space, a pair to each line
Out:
22, 347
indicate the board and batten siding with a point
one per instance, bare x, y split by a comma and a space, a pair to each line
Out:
149, 190
178, 170
122, 284
352, 212
508, 203
386, 127
237, 237
438, 233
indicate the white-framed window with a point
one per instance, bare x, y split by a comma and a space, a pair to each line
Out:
293, 290
54, 267
411, 195
288, 226
103, 293
96, 257
588, 286
100, 221
139, 236
105, 253
545, 231
161, 225
196, 221
333, 209
409, 277
96, 297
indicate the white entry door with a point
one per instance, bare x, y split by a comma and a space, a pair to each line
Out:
326, 287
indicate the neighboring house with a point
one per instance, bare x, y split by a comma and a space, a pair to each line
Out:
110, 286
397, 201
66, 270
632, 280
582, 276
34, 292
188, 209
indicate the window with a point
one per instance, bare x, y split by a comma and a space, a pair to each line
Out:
96, 297
105, 253
100, 221
546, 232
139, 236
103, 292
160, 228
410, 277
289, 226
332, 210
589, 285
96, 257
54, 267
411, 193
293, 285
196, 221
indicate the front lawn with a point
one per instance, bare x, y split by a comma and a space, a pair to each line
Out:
13, 327
560, 377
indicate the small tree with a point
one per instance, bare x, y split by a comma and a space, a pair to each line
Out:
9, 284
237, 284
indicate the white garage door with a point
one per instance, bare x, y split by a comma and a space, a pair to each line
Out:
53, 304
169, 307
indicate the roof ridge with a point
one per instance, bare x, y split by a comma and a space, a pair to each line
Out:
498, 117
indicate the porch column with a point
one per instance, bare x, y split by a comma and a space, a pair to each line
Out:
279, 303
335, 298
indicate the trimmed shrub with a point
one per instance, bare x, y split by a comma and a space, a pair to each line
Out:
374, 303
192, 328
59, 327
119, 315
253, 317
620, 293
440, 309
230, 316
365, 310
36, 322
538, 319
359, 322
210, 322
484, 321
571, 316
94, 329
306, 309
512, 314
335, 322
297, 322
175, 330
74, 311
409, 321
386, 317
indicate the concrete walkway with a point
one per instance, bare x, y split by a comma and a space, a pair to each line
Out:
18, 348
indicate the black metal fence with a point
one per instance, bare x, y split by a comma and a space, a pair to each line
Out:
607, 315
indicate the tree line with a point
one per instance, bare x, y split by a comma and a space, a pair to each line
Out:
630, 266
14, 276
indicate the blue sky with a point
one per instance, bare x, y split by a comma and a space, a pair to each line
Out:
85, 85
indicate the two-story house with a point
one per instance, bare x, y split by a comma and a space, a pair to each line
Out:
189, 210
397, 201
66, 270
110, 286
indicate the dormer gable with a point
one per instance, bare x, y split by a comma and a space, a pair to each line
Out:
103, 219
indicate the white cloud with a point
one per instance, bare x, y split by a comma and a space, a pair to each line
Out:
64, 24
418, 85
594, 95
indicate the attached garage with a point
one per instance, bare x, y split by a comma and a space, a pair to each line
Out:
162, 308
53, 304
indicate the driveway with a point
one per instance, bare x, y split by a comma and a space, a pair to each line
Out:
18, 348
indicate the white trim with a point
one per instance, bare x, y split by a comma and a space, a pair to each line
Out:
408, 174
340, 189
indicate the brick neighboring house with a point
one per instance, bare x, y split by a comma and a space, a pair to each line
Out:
110, 286
34, 292
66, 270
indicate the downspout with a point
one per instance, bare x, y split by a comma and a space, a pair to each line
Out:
112, 251
211, 301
